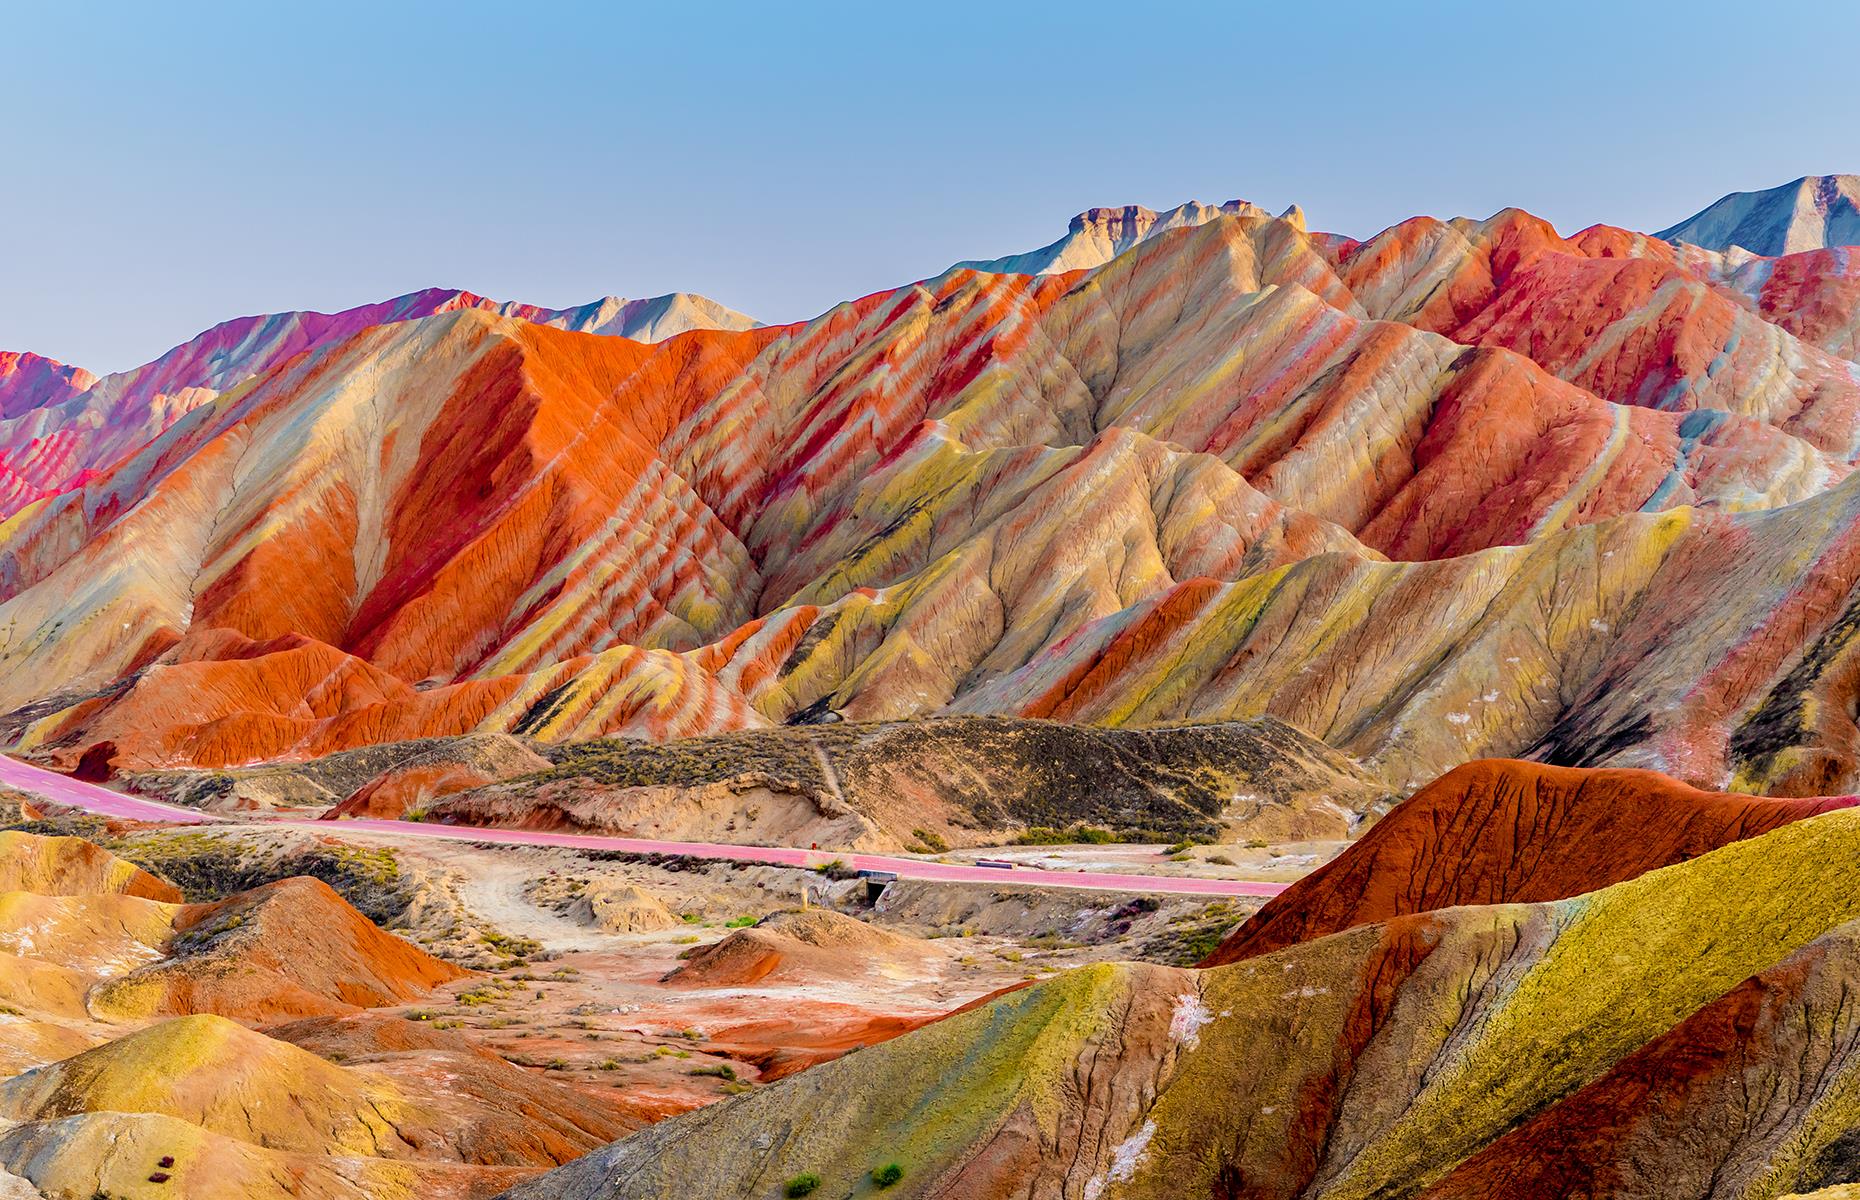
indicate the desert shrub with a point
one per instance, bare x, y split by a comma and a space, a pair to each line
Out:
887, 1175
804, 1184
208, 867
932, 839
1193, 936
514, 945
1044, 835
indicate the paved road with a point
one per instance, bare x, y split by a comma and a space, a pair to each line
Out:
94, 798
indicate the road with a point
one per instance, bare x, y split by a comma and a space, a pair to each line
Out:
98, 799
92, 798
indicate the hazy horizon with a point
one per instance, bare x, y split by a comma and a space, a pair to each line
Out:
177, 168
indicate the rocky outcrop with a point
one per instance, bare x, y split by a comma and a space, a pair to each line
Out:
29, 381
1098, 235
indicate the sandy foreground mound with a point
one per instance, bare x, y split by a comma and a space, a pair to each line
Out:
796, 947
436, 1098
340, 1103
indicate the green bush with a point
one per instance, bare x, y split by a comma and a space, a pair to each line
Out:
1042, 835
803, 1184
887, 1175
935, 841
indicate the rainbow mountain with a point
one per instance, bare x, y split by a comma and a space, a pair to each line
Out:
1463, 489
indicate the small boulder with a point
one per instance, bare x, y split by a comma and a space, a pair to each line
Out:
623, 908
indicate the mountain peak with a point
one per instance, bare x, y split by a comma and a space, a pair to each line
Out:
1805, 214
29, 381
1098, 235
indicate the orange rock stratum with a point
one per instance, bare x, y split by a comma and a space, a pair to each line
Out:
1464, 489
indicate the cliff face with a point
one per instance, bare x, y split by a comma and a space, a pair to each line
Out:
1098, 235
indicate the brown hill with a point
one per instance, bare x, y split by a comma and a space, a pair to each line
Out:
793, 947
963, 780
375, 781
293, 948
1500, 831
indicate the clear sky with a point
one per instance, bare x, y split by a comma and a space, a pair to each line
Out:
173, 165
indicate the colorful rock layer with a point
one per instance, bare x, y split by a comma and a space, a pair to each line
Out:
1499, 832
1464, 489
126, 1051
1690, 1032
59, 426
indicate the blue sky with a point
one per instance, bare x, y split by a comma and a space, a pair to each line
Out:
174, 165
